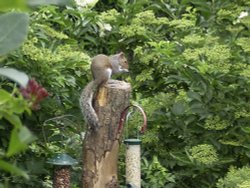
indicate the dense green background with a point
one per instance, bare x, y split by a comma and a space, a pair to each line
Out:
189, 69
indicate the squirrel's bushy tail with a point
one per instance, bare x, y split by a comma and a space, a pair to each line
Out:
86, 106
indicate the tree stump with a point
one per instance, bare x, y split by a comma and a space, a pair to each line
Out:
101, 147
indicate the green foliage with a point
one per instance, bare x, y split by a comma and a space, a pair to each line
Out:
191, 78
236, 177
13, 31
143, 24
204, 153
23, 4
214, 123
11, 107
155, 175
12, 169
15, 109
12, 4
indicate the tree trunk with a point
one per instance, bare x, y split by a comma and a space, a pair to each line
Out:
101, 148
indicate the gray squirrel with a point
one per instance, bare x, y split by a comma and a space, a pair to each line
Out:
102, 67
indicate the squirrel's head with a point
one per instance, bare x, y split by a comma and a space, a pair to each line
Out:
121, 63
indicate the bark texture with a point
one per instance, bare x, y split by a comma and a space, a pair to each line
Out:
100, 148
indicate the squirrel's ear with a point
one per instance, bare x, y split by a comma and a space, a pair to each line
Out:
121, 54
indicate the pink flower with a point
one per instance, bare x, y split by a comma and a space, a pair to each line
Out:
34, 93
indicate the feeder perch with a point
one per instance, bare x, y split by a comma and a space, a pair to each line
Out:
62, 163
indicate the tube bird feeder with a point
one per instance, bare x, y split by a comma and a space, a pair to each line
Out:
133, 162
133, 152
62, 164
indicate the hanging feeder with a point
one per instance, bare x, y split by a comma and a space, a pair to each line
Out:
133, 151
62, 163
133, 163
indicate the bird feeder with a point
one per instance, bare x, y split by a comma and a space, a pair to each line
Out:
133, 152
133, 162
62, 163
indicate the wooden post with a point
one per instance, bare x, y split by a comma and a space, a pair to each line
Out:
101, 148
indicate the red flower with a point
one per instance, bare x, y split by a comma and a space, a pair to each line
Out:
35, 93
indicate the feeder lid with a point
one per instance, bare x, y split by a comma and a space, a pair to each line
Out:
62, 159
132, 141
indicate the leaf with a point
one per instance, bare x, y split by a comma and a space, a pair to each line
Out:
4, 96
26, 136
49, 2
13, 169
230, 142
19, 140
12, 4
197, 107
246, 129
180, 157
13, 119
13, 31
194, 95
15, 75
189, 119
178, 108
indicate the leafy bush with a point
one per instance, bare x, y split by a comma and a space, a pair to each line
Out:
155, 175
12, 103
235, 178
16, 104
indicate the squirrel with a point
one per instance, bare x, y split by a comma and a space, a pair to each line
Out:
102, 67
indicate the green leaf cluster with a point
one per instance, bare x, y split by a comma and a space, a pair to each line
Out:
204, 153
16, 121
11, 107
236, 177
155, 175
